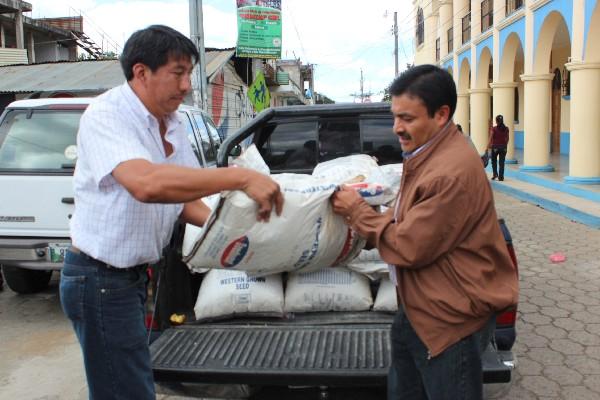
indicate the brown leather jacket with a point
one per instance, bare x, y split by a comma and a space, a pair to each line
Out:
453, 267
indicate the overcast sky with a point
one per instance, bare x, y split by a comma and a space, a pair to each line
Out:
338, 36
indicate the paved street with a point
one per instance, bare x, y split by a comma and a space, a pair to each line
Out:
558, 343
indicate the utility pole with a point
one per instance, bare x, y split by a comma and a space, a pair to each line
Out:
362, 95
396, 41
199, 81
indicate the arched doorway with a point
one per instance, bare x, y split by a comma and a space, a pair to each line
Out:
555, 108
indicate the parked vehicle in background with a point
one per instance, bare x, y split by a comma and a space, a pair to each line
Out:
326, 349
38, 153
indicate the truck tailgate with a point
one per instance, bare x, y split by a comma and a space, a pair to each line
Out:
297, 353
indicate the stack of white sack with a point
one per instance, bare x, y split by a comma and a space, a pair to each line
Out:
226, 294
331, 289
369, 263
387, 298
307, 236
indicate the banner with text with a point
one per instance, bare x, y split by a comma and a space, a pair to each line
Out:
259, 28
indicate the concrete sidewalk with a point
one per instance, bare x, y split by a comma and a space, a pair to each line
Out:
579, 203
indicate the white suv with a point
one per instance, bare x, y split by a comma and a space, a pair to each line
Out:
37, 158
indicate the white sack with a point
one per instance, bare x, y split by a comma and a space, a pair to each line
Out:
369, 263
331, 289
376, 184
226, 293
307, 236
193, 232
386, 299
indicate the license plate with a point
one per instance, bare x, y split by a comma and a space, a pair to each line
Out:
58, 251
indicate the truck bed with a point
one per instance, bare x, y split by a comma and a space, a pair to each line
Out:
333, 349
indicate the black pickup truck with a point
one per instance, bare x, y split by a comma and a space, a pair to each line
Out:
325, 350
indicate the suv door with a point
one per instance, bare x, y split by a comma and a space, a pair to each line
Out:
209, 145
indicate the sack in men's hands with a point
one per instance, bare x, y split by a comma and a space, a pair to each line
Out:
330, 289
227, 293
376, 184
307, 236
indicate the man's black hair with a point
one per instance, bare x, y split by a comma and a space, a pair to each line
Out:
153, 46
433, 85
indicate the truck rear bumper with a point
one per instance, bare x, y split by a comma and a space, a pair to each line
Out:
332, 355
29, 253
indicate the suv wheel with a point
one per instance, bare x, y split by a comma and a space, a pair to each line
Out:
25, 281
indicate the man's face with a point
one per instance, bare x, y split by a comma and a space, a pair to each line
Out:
412, 124
168, 85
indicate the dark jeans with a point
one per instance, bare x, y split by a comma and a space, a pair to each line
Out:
106, 307
498, 152
454, 374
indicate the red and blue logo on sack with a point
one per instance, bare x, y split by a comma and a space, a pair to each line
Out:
235, 252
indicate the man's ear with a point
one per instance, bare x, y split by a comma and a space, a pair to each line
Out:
139, 71
442, 115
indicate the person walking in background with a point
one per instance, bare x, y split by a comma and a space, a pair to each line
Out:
444, 245
498, 142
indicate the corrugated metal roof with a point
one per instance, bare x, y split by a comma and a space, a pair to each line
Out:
65, 76
216, 59
81, 76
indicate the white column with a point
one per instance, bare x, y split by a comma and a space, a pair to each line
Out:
446, 20
31, 48
2, 35
504, 104
461, 115
480, 112
584, 157
536, 149
19, 30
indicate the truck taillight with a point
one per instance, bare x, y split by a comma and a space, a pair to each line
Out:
508, 317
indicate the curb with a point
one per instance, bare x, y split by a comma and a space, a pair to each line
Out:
550, 205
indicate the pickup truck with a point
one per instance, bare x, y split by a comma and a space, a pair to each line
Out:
38, 152
323, 350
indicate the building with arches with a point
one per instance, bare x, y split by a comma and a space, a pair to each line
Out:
536, 62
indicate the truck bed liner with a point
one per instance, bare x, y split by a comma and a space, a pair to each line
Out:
311, 351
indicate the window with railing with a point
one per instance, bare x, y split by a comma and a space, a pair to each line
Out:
450, 40
466, 28
487, 14
513, 5
437, 49
420, 33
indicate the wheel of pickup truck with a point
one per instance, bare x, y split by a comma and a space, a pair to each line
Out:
26, 281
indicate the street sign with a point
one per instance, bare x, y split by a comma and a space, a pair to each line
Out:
259, 93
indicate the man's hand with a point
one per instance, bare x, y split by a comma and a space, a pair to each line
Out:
265, 191
344, 200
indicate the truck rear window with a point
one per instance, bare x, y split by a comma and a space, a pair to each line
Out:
39, 140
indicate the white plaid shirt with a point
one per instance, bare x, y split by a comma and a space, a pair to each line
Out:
108, 223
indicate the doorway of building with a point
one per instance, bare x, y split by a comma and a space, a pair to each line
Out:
555, 124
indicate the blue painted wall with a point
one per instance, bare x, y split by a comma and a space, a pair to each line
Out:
565, 142
517, 27
465, 54
519, 139
564, 7
590, 5
489, 43
448, 64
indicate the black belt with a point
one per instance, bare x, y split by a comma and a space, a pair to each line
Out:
102, 264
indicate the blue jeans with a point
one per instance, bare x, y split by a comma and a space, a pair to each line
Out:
106, 307
454, 374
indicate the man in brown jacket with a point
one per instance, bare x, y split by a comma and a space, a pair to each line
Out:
444, 245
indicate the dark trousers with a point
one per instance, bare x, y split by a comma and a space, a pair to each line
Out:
498, 153
106, 307
454, 374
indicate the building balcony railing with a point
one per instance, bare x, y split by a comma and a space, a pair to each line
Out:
466, 28
513, 5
